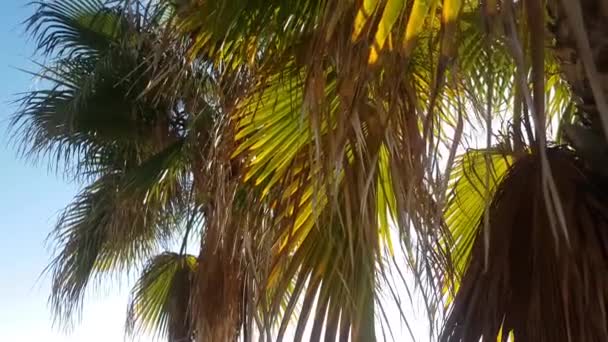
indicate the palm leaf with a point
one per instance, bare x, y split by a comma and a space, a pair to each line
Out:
473, 182
114, 224
69, 27
160, 299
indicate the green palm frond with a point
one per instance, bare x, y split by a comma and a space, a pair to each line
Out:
473, 182
273, 129
236, 33
115, 224
334, 282
161, 297
69, 27
81, 117
300, 153
92, 118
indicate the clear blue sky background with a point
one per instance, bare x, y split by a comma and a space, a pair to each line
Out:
30, 199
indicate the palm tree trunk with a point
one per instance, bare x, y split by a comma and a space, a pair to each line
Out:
218, 302
221, 274
220, 289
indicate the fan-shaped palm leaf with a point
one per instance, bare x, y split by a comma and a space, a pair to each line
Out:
84, 27
473, 182
160, 299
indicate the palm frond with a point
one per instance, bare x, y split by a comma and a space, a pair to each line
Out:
134, 151
299, 154
161, 297
92, 118
115, 224
473, 182
78, 119
74, 27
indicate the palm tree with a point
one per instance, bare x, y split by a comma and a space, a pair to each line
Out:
318, 147
101, 120
146, 150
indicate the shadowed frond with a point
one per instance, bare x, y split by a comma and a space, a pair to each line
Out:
89, 115
135, 152
83, 120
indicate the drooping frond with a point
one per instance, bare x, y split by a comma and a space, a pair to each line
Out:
287, 164
115, 224
161, 297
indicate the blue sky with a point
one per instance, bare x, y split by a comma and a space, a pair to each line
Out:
30, 199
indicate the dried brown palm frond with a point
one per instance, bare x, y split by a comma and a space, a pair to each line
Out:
535, 286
